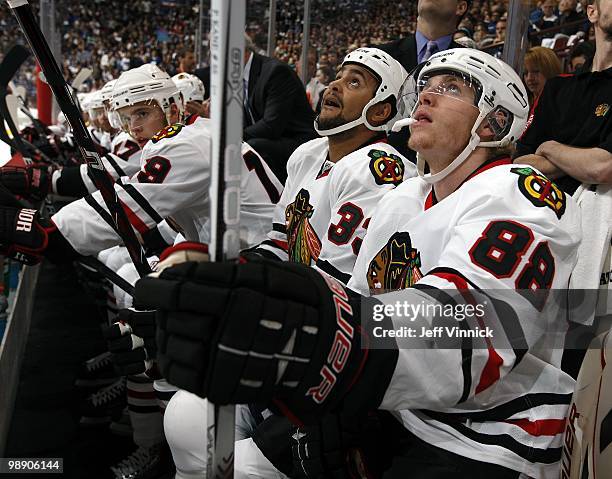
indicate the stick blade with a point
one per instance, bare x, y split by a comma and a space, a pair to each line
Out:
12, 62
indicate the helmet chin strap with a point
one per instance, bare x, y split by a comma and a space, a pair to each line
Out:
362, 120
474, 142
338, 129
467, 151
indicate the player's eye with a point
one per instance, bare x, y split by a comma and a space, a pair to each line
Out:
452, 88
353, 82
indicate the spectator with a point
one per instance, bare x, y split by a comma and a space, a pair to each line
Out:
549, 17
540, 64
569, 15
500, 31
187, 64
313, 87
581, 57
277, 117
570, 132
324, 75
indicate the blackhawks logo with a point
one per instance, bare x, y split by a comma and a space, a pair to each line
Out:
303, 243
167, 132
540, 190
387, 168
396, 266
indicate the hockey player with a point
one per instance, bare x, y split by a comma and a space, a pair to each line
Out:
121, 158
333, 185
335, 182
471, 228
193, 91
172, 180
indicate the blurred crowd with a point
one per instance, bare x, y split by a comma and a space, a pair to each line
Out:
112, 36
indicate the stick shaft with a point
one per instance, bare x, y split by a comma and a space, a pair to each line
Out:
227, 30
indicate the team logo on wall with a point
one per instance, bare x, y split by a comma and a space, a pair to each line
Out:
540, 190
167, 132
387, 168
303, 243
396, 266
602, 109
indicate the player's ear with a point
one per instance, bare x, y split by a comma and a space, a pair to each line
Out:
379, 113
485, 131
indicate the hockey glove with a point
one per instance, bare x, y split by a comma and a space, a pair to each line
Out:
340, 446
262, 330
131, 342
26, 237
32, 182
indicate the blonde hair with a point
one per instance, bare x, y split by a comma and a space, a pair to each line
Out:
543, 59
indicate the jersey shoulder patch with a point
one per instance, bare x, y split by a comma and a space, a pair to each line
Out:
168, 132
387, 168
540, 191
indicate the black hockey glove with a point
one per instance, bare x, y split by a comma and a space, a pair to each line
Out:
26, 237
131, 341
263, 330
340, 446
33, 182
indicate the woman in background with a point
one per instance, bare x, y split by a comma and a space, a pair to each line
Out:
540, 64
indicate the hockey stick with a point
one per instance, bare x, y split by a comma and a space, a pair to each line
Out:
227, 42
65, 98
97, 265
11, 63
80, 78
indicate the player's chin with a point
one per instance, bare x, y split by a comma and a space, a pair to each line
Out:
419, 139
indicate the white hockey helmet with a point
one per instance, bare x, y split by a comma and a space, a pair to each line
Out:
190, 86
147, 83
83, 98
389, 73
501, 99
94, 100
106, 92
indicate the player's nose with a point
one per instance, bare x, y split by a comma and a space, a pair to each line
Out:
427, 97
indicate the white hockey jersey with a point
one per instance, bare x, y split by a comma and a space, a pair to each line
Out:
325, 207
173, 180
506, 228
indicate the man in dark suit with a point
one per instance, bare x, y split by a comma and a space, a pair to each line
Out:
437, 21
277, 116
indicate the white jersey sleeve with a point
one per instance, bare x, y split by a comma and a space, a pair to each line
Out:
114, 165
357, 184
260, 191
173, 181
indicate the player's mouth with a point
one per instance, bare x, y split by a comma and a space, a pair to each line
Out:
422, 118
331, 102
